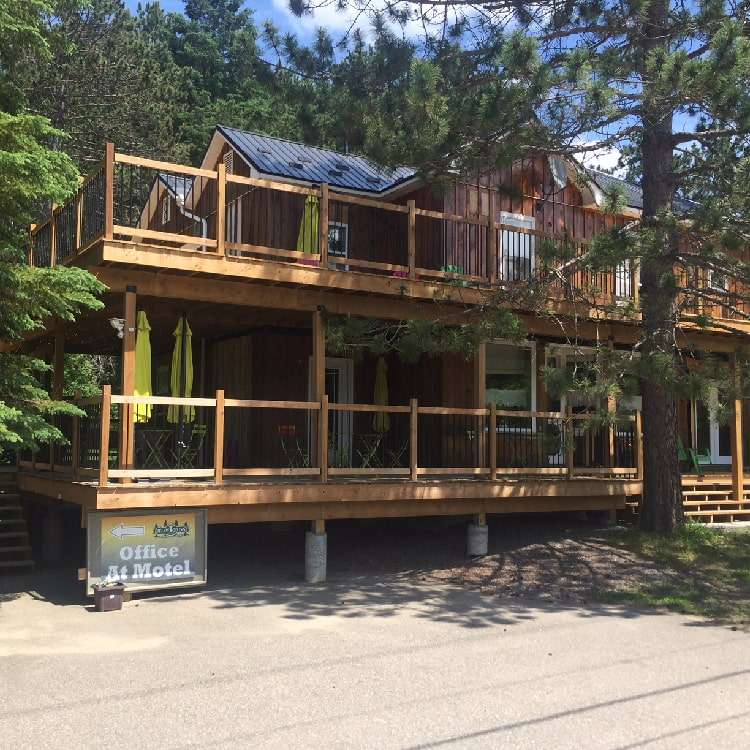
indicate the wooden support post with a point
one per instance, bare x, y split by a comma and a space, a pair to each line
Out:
636, 282
412, 238
58, 366
318, 355
638, 438
738, 468
493, 441
323, 439
611, 448
318, 526
480, 396
480, 376
323, 226
219, 439
413, 438
109, 190
104, 436
491, 241
569, 440
221, 208
75, 445
480, 519
53, 237
127, 433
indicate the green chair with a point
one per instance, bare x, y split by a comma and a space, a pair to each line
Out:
692, 457
190, 455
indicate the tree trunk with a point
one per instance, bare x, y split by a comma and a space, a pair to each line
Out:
661, 504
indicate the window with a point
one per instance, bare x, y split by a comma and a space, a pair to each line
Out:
717, 281
509, 377
338, 239
518, 249
229, 162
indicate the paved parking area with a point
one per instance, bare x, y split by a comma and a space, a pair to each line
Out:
391, 660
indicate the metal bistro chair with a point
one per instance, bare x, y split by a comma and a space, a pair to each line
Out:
296, 455
189, 456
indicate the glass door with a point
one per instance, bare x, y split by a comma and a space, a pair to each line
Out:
339, 380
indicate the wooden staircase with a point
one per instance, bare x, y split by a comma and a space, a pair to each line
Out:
15, 550
710, 499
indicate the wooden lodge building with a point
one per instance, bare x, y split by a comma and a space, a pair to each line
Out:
256, 249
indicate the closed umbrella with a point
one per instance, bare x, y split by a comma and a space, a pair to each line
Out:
307, 238
181, 377
142, 412
382, 421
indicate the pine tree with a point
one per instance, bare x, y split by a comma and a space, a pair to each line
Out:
667, 82
31, 175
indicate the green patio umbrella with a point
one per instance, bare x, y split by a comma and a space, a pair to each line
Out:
181, 377
381, 421
142, 412
307, 238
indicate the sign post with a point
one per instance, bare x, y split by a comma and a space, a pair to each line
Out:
146, 551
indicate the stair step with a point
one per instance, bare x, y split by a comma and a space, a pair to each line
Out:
6, 522
13, 534
706, 492
15, 509
16, 564
692, 513
15, 549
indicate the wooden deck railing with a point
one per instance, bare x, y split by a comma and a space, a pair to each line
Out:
220, 438
209, 211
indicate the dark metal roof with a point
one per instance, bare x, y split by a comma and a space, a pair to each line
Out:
632, 193
276, 156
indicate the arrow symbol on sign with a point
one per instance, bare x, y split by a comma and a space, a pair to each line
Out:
123, 530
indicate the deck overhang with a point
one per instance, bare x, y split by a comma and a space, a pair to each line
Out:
240, 502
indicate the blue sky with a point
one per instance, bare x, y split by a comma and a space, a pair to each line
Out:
278, 12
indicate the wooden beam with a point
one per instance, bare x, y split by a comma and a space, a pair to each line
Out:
109, 190
639, 444
738, 469
428, 491
318, 355
127, 433
318, 526
221, 208
611, 452
104, 436
219, 436
480, 376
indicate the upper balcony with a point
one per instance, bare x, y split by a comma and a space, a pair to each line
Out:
172, 217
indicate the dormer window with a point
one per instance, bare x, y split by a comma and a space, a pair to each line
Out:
166, 210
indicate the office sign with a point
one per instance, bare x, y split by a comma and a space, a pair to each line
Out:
147, 551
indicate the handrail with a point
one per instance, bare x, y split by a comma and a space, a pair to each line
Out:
490, 433
488, 255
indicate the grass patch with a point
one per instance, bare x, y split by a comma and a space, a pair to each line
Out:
707, 573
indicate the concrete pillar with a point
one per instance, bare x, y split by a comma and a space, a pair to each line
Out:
52, 535
477, 535
316, 551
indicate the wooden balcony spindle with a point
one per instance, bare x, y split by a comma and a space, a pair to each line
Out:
323, 438
75, 444
638, 444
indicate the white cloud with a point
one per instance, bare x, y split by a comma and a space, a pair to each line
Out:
605, 159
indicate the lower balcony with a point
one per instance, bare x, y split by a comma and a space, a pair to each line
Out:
283, 460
